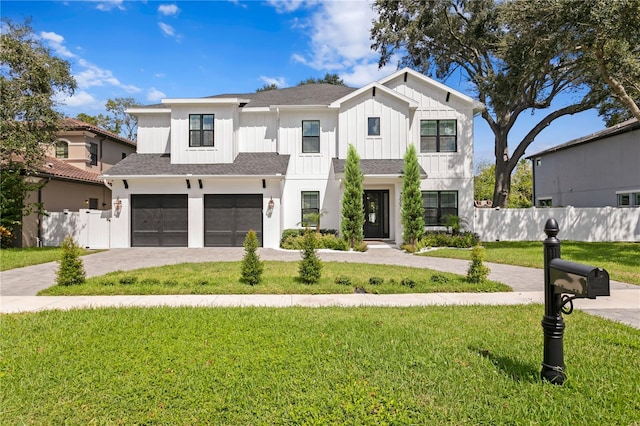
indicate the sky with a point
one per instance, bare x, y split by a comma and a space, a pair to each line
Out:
150, 50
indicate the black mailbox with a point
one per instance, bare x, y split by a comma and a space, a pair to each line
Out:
578, 279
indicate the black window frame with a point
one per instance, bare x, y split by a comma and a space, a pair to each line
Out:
310, 138
65, 150
440, 212
369, 128
93, 153
93, 203
309, 210
439, 136
201, 131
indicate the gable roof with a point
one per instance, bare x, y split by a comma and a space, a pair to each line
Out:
373, 86
75, 124
393, 167
245, 164
55, 168
624, 127
307, 94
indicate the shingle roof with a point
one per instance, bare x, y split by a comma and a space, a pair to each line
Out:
75, 124
307, 94
626, 126
245, 164
59, 169
376, 167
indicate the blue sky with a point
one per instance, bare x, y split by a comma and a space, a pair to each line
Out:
151, 50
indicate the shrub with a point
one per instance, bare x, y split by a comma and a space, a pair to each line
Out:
477, 272
442, 239
342, 280
376, 280
6, 238
252, 267
71, 269
128, 279
361, 247
439, 279
310, 265
408, 282
297, 232
328, 240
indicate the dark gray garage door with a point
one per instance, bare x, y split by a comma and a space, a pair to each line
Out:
159, 220
228, 218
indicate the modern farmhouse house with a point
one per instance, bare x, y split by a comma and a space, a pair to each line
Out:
207, 170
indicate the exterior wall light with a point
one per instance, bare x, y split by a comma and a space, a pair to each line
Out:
117, 207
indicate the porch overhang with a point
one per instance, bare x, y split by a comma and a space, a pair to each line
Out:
376, 169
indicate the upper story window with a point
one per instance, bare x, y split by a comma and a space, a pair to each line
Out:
62, 149
373, 126
310, 136
93, 153
310, 208
438, 135
545, 202
437, 205
201, 129
629, 199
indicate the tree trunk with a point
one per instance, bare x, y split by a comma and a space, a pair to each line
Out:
504, 167
616, 86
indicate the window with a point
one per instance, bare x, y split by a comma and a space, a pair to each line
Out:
310, 208
93, 153
93, 203
62, 149
373, 126
310, 136
437, 205
544, 202
201, 129
629, 199
438, 136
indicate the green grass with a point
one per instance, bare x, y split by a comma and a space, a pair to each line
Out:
12, 258
263, 366
278, 278
621, 260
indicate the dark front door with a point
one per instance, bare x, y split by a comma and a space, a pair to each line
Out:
376, 214
229, 217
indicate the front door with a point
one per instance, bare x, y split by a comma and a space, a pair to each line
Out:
376, 214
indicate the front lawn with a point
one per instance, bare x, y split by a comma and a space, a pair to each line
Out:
12, 258
621, 260
264, 366
278, 278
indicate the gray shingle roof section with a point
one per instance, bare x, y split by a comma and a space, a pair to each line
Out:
376, 167
307, 94
626, 126
245, 164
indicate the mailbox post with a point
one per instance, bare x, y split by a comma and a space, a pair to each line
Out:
561, 278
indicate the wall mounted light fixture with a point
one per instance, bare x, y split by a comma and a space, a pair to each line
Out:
117, 206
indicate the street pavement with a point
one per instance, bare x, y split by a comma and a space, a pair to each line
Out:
19, 287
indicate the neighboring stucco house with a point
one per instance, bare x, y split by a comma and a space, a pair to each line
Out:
71, 172
209, 169
598, 170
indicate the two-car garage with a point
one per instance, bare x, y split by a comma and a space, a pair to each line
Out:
162, 220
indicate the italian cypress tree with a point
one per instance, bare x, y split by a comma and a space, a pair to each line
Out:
411, 208
352, 204
252, 266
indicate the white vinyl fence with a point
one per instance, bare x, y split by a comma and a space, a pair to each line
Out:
89, 228
577, 224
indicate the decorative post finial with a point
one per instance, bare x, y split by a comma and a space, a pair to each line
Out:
551, 228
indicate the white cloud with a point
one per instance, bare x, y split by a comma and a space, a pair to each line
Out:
363, 74
154, 95
287, 6
80, 99
92, 75
167, 29
237, 3
278, 81
168, 9
107, 5
55, 41
159, 75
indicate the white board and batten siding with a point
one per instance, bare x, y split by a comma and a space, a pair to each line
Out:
154, 133
258, 131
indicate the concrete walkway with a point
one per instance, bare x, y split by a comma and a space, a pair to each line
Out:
18, 287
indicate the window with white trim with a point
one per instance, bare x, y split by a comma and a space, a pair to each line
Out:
373, 126
62, 149
310, 136
628, 199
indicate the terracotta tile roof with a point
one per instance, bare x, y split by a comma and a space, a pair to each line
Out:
75, 124
245, 164
58, 169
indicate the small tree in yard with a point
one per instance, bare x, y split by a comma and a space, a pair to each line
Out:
352, 203
477, 272
252, 266
71, 269
411, 207
310, 265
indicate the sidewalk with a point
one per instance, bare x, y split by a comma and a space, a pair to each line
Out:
18, 287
